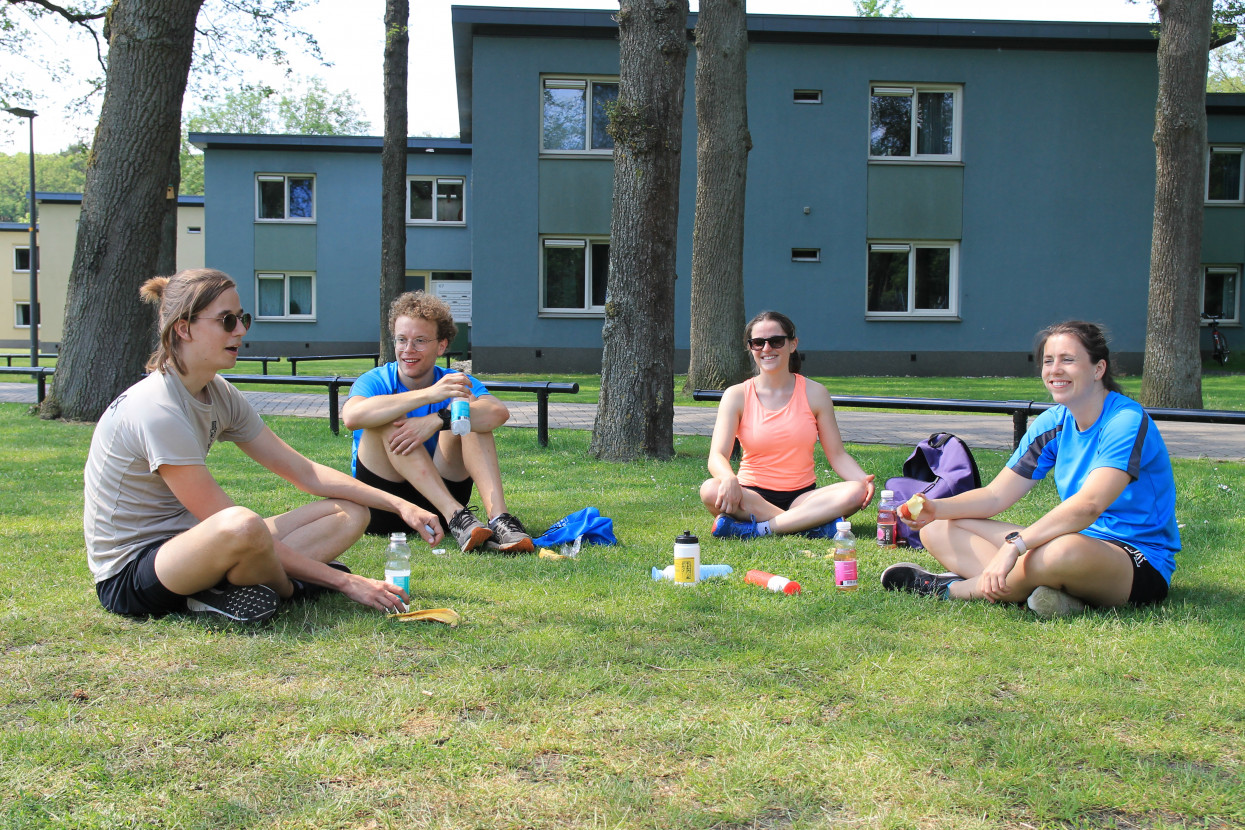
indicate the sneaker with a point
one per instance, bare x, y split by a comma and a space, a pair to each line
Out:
245, 604
908, 577
1049, 602
825, 531
307, 591
509, 535
469, 532
725, 527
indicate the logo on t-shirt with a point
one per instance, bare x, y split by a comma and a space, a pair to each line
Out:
212, 433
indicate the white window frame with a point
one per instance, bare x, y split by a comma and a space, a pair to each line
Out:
584, 82
1235, 272
26, 248
903, 90
436, 195
285, 177
18, 305
284, 276
571, 241
1236, 150
951, 312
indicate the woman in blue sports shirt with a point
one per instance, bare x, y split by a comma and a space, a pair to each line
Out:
1112, 539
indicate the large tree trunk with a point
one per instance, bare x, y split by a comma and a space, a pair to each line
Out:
393, 168
166, 262
635, 416
108, 332
722, 144
1173, 364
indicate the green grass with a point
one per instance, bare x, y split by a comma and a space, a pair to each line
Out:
582, 694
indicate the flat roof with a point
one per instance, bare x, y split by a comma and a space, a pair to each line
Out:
50, 198
469, 22
322, 143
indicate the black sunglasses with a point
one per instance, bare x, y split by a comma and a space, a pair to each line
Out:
230, 320
775, 342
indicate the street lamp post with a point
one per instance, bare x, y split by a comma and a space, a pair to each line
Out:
34, 240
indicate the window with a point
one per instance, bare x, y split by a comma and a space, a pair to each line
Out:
806, 96
920, 123
574, 273
913, 279
285, 198
21, 314
1220, 288
806, 254
435, 199
286, 296
194, 229
574, 115
1223, 174
21, 258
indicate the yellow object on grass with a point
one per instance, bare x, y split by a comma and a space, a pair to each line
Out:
442, 615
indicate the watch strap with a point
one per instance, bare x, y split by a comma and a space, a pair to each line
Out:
444, 412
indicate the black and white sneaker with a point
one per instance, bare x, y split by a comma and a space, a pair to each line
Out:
906, 576
307, 591
469, 532
243, 604
509, 535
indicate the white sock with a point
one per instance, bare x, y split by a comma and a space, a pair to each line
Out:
763, 529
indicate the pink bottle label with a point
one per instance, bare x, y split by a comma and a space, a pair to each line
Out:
845, 573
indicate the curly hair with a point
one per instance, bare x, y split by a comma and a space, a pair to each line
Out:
420, 306
180, 297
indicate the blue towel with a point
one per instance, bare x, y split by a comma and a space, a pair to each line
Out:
589, 523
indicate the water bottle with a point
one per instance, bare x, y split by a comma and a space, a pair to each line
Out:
398, 562
460, 416
686, 559
844, 557
887, 522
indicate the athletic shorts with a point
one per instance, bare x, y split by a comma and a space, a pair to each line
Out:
383, 522
781, 499
1149, 586
136, 591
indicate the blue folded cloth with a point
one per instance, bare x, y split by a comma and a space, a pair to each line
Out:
588, 523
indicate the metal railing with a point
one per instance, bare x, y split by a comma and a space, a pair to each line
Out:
8, 358
1020, 411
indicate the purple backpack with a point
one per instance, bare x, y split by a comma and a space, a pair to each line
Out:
940, 466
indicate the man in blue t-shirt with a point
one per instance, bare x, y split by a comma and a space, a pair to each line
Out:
403, 444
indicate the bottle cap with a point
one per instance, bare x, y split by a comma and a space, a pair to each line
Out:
686, 539
843, 526
397, 537
888, 494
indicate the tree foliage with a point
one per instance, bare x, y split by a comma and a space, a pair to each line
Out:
63, 172
1227, 68
880, 8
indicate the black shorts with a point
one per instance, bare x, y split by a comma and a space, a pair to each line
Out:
136, 591
383, 522
1149, 586
781, 499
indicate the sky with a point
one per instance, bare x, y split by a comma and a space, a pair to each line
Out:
353, 44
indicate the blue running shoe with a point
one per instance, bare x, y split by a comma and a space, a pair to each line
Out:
724, 527
825, 531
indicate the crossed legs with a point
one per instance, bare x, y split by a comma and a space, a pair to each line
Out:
809, 510
1090, 569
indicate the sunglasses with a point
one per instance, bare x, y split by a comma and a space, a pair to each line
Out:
230, 320
775, 342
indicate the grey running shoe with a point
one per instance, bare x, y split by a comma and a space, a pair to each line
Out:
906, 576
509, 535
307, 591
1048, 602
243, 604
469, 532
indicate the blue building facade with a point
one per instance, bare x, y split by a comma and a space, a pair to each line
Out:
923, 195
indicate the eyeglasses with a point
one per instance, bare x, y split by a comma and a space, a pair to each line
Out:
775, 342
420, 343
230, 320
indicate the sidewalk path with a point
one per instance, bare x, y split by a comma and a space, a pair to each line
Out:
1219, 442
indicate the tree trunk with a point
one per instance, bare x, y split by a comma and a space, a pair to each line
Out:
635, 416
393, 168
1173, 364
722, 144
108, 331
166, 262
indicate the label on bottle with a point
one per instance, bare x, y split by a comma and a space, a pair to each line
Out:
886, 534
685, 569
401, 580
845, 573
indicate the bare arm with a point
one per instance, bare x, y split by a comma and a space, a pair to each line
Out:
195, 488
831, 439
725, 429
362, 412
488, 413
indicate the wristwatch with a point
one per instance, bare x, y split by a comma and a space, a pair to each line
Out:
444, 412
1014, 538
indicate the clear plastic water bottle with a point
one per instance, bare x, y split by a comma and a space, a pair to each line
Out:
844, 557
887, 522
460, 416
398, 562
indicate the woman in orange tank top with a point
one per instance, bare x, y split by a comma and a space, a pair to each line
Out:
778, 416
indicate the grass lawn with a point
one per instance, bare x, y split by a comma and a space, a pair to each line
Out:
582, 694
